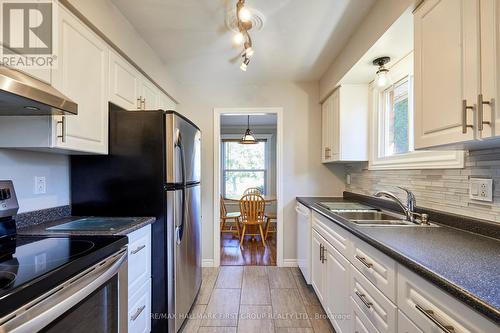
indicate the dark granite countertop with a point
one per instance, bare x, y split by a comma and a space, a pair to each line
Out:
462, 263
41, 228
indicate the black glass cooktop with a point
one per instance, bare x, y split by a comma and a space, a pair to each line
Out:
30, 266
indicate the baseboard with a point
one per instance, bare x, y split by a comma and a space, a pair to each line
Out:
289, 262
207, 263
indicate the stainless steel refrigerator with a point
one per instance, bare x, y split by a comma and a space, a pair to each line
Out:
153, 169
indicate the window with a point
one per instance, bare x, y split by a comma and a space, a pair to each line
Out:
244, 166
397, 119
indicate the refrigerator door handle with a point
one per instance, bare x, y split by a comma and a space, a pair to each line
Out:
179, 230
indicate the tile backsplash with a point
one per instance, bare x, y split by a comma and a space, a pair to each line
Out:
444, 189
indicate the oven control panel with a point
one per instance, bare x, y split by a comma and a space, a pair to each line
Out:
8, 200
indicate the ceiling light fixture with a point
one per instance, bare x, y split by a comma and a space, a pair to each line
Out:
242, 37
248, 138
382, 78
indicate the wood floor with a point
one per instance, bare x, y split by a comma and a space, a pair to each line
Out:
253, 252
256, 299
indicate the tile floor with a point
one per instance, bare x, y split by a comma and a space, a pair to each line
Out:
258, 299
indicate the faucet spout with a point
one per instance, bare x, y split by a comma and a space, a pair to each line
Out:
406, 209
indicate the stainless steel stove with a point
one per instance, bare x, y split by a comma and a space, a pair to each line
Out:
59, 284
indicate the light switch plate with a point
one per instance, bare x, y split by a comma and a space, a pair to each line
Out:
481, 189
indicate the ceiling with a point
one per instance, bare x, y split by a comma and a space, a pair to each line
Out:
396, 43
267, 120
299, 40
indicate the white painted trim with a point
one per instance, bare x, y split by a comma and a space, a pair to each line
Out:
421, 159
279, 175
207, 263
290, 263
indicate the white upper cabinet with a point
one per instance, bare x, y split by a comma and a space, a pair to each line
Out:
456, 65
166, 103
150, 95
82, 75
345, 124
124, 83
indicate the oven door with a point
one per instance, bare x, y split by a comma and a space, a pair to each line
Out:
92, 301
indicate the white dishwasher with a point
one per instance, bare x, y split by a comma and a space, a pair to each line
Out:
304, 227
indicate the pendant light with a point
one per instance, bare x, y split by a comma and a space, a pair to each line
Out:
248, 138
382, 78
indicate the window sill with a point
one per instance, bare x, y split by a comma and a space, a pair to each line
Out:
420, 160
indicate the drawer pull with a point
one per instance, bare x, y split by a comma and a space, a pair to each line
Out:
137, 313
362, 297
138, 249
430, 315
364, 262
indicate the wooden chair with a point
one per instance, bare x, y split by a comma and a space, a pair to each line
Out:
271, 229
226, 217
252, 209
252, 190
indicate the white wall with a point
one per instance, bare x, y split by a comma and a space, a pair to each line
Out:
106, 17
21, 167
302, 169
382, 15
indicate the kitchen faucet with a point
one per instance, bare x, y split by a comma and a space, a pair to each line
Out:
409, 208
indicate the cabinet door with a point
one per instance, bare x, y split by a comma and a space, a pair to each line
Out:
317, 265
335, 125
82, 75
124, 83
337, 280
326, 115
446, 71
490, 66
150, 95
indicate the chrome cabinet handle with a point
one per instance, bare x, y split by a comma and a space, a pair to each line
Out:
364, 262
324, 257
363, 299
138, 249
139, 102
321, 252
430, 315
480, 116
328, 153
137, 313
143, 103
465, 107
62, 136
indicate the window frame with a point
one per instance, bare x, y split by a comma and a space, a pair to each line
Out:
419, 159
235, 137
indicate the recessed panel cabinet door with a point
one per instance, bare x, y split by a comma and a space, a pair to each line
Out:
446, 71
124, 83
337, 289
150, 95
82, 75
317, 276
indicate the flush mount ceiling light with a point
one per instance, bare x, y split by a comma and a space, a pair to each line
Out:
241, 22
382, 78
248, 138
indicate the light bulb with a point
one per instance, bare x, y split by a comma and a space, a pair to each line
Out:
249, 52
238, 39
244, 14
243, 67
382, 79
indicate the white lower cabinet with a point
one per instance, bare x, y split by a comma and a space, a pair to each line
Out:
350, 277
405, 325
430, 308
139, 280
336, 293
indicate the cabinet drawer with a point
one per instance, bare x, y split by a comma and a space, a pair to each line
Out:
139, 309
360, 321
428, 307
381, 312
139, 257
376, 267
333, 233
405, 325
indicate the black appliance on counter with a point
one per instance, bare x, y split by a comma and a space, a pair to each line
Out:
59, 284
152, 169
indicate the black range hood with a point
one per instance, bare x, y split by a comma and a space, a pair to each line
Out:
22, 95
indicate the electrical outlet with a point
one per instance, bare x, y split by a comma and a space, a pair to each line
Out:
40, 185
348, 179
481, 189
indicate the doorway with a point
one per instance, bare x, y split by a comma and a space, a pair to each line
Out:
247, 183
